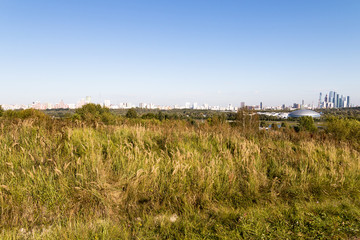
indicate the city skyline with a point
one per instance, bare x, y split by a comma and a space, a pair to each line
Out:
330, 100
277, 52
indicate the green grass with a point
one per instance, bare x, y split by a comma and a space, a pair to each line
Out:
171, 180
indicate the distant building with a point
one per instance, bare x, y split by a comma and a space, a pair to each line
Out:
334, 100
303, 113
296, 105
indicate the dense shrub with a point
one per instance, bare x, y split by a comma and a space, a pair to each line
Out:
94, 113
131, 113
343, 128
148, 116
25, 114
307, 123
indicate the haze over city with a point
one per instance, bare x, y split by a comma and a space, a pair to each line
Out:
166, 53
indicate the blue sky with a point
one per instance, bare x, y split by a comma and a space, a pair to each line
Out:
172, 52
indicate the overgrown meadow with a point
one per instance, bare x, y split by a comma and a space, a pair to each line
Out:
99, 176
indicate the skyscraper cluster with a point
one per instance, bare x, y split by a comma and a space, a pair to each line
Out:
334, 100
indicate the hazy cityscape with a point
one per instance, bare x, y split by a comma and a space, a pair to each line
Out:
330, 100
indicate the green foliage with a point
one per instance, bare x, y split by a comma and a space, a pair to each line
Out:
307, 123
131, 113
25, 114
343, 129
1, 111
160, 116
350, 113
94, 113
148, 116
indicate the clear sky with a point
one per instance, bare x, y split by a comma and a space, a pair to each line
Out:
172, 52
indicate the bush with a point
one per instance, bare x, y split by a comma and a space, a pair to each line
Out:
344, 129
94, 113
160, 116
307, 124
148, 116
131, 113
25, 114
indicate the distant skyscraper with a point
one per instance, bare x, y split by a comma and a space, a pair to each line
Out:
341, 101
261, 106
296, 105
331, 93
334, 100
242, 105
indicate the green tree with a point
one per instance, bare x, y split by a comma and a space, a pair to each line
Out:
94, 113
131, 113
160, 116
307, 123
148, 116
32, 113
25, 114
1, 111
343, 129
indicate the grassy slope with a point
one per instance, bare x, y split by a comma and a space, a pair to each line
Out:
172, 180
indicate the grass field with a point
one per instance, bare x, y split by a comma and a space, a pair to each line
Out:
150, 179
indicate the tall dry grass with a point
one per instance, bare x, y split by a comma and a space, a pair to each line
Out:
150, 179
